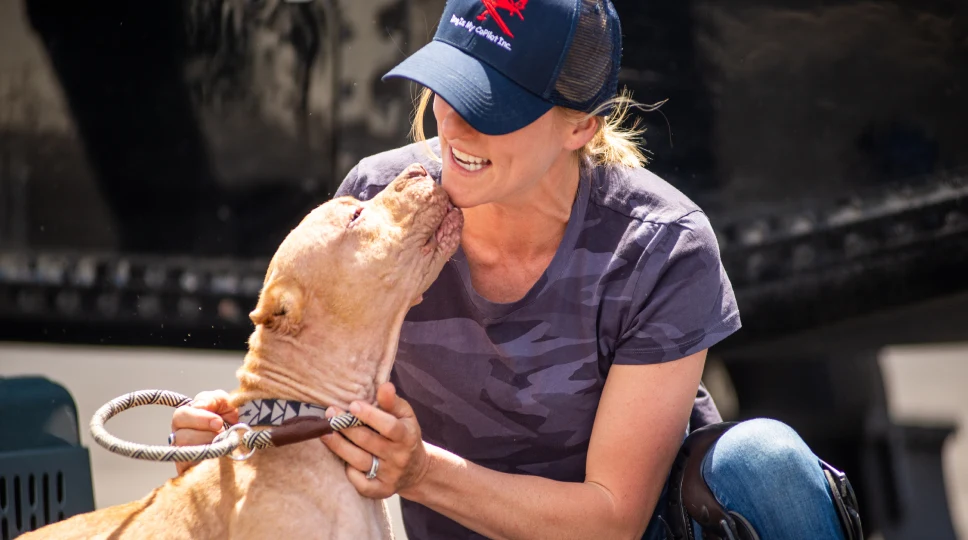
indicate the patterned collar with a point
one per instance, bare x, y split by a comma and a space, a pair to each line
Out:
273, 412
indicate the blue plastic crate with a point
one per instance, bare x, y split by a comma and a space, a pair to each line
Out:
45, 474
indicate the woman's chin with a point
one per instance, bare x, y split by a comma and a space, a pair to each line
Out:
460, 198
461, 190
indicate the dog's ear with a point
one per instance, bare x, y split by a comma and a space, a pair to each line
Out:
280, 307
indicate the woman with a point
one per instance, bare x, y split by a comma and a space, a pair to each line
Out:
544, 385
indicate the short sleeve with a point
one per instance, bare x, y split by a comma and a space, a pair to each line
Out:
366, 179
683, 301
350, 185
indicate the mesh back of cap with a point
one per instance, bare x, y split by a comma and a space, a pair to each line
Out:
589, 75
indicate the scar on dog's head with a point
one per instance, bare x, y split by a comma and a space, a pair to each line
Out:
280, 306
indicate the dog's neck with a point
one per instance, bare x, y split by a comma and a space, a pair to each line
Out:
326, 372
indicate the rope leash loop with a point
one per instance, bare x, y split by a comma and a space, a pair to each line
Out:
224, 444
230, 439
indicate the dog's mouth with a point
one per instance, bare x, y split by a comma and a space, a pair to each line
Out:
447, 234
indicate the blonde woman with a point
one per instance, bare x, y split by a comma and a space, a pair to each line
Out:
545, 384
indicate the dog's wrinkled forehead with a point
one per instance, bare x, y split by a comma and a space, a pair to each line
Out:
314, 237
411, 204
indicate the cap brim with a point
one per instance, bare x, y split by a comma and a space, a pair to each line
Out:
490, 102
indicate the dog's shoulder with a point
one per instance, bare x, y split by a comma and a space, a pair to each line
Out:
373, 173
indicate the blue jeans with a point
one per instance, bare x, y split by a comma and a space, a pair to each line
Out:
764, 471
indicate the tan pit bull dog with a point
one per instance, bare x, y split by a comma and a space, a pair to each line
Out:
326, 332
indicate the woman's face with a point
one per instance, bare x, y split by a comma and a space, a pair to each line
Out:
480, 169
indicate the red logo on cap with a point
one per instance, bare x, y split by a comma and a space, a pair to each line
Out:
513, 7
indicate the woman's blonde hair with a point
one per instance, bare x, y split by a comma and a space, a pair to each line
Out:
612, 144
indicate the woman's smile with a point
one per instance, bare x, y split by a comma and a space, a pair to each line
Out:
468, 162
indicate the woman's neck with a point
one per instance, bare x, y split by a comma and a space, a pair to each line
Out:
528, 227
509, 246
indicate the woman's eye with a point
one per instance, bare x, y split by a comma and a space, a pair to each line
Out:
356, 214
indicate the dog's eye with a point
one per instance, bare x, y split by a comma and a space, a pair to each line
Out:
356, 214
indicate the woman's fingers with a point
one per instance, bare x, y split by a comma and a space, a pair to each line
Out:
207, 411
362, 437
392, 434
387, 398
354, 456
370, 441
386, 421
193, 437
358, 463
189, 417
217, 401
376, 488
357, 447
201, 420
192, 426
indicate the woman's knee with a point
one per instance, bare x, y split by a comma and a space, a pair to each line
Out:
765, 456
763, 471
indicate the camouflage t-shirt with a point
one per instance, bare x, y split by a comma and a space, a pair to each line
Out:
514, 387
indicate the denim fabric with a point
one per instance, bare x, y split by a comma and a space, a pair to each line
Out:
764, 471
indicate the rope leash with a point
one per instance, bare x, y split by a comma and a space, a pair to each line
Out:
223, 445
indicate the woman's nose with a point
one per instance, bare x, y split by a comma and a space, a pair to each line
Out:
453, 126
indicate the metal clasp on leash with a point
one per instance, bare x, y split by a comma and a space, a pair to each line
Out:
248, 429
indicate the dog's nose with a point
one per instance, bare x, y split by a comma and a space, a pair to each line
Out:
413, 173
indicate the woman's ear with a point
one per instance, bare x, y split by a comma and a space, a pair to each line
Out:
581, 129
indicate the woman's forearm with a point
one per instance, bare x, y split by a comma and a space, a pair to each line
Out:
509, 506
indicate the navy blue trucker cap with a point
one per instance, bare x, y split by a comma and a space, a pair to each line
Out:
501, 64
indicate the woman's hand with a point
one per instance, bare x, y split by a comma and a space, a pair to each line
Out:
392, 435
201, 420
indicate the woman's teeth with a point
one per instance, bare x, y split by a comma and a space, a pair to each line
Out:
469, 162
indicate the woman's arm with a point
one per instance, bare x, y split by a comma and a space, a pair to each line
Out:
639, 426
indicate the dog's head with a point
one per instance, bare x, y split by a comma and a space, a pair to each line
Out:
354, 260
352, 269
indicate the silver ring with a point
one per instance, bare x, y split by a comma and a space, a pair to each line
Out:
248, 430
373, 469
171, 439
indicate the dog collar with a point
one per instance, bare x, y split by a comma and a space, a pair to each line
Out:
291, 421
274, 412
